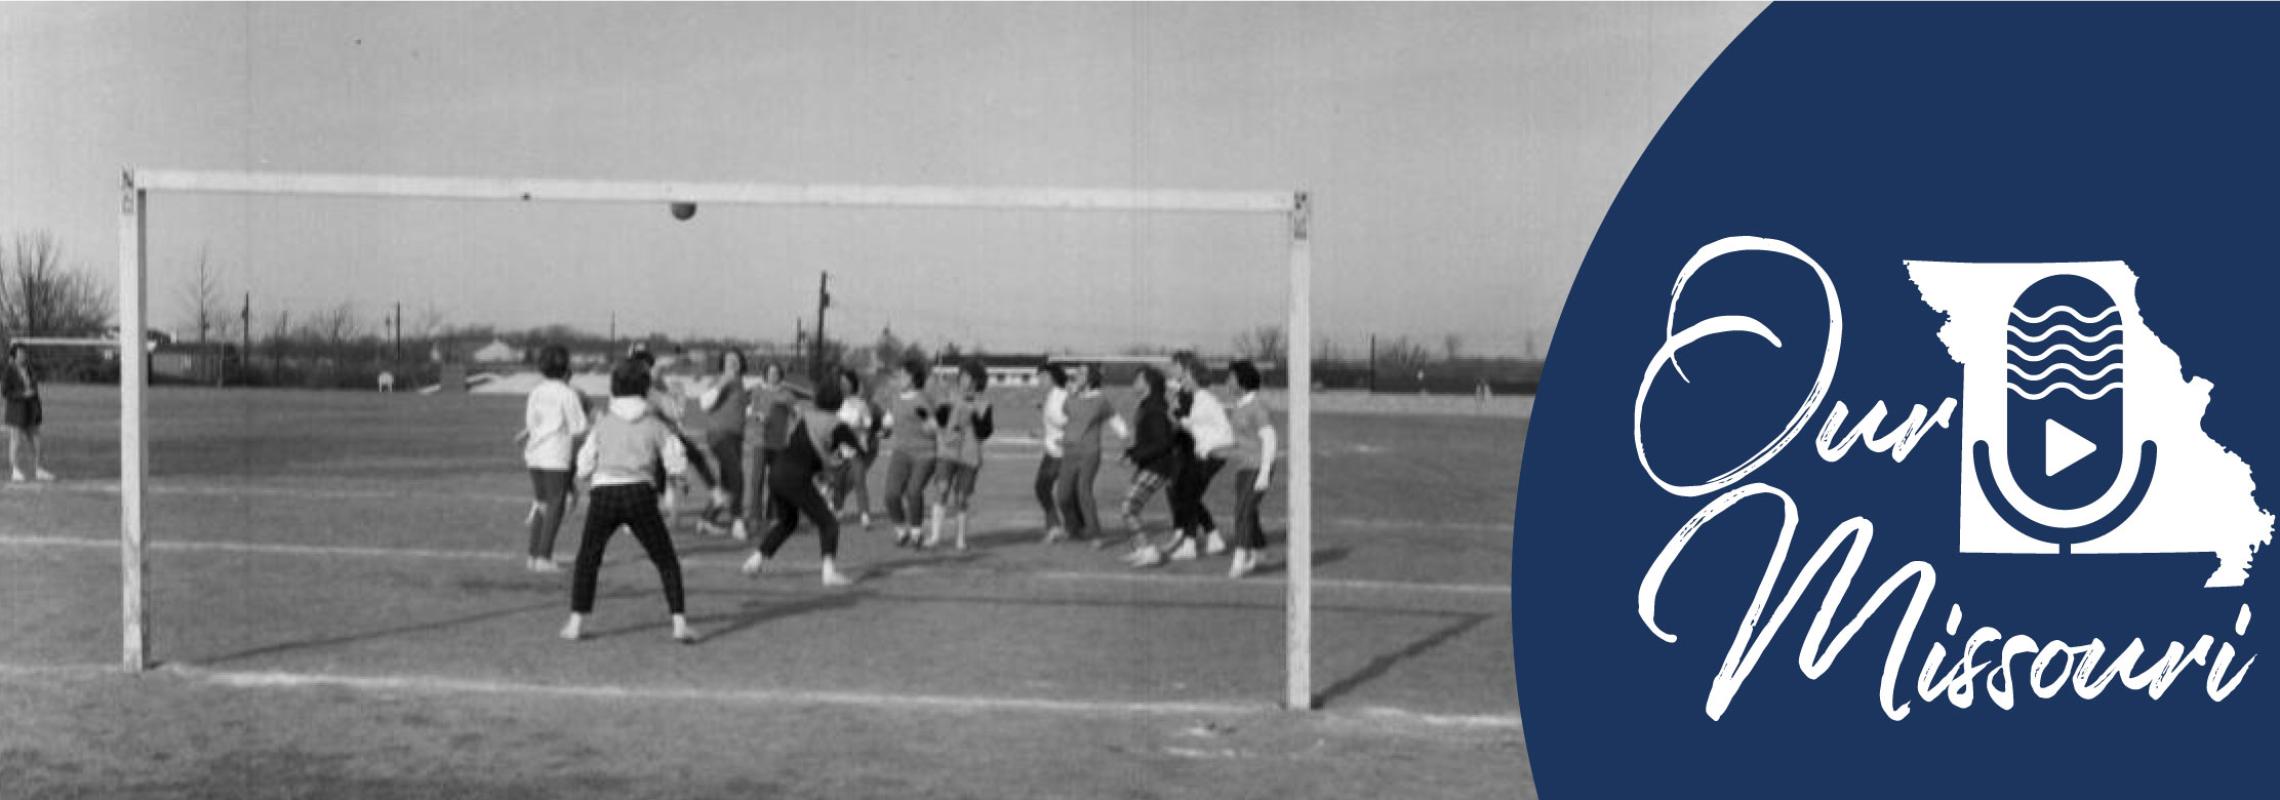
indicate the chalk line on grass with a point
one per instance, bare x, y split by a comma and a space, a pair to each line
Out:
1333, 583
889, 701
459, 554
1327, 524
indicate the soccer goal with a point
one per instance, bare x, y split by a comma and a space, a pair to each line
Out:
139, 187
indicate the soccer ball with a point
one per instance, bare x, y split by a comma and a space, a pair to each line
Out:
683, 211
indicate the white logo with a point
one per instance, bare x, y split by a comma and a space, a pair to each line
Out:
2081, 431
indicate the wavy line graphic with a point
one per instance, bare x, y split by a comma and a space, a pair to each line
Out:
2047, 390
2068, 310
2045, 353
2065, 367
2069, 329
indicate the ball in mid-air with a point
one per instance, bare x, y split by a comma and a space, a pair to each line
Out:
683, 211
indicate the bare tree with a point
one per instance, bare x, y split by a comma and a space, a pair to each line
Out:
1263, 343
39, 296
1402, 356
332, 329
427, 323
280, 335
1452, 346
202, 299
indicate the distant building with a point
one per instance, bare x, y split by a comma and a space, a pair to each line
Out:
1119, 370
1004, 370
498, 352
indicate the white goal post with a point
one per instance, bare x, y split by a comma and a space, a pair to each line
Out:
134, 218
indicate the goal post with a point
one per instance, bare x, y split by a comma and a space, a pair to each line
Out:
137, 187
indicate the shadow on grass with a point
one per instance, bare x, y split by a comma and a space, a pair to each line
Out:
1378, 667
1321, 557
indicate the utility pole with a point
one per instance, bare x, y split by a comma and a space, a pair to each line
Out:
822, 301
276, 358
613, 335
1373, 363
399, 330
799, 335
245, 335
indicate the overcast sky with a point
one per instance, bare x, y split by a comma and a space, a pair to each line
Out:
1460, 158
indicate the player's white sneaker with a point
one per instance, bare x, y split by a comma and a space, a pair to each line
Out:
831, 577
752, 565
573, 629
866, 520
1055, 535
1144, 557
1184, 551
44, 475
1241, 565
1212, 544
544, 565
16, 475
682, 632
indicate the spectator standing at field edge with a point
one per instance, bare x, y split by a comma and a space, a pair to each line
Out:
24, 413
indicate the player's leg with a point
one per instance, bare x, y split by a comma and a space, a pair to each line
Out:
946, 484
786, 518
1088, 505
1247, 533
1186, 497
15, 446
1048, 472
1213, 544
605, 510
962, 502
898, 473
749, 522
1065, 498
859, 475
811, 503
649, 529
922, 469
1144, 485
551, 488
728, 453
767, 488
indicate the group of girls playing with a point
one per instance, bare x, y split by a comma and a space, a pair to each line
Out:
771, 456
1181, 437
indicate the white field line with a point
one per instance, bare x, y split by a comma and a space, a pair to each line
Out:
226, 490
780, 567
1330, 583
875, 700
889, 701
56, 670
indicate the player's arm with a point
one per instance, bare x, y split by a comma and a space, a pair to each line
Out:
589, 455
1267, 445
676, 457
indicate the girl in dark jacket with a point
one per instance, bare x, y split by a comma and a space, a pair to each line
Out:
1154, 456
816, 445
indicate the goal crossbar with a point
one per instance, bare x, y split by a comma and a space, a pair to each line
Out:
766, 194
137, 186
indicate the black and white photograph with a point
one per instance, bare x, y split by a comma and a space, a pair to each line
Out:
733, 400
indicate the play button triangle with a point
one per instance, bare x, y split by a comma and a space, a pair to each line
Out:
2062, 447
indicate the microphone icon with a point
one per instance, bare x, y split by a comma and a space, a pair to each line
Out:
2065, 388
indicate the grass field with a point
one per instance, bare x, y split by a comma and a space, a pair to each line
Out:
339, 610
